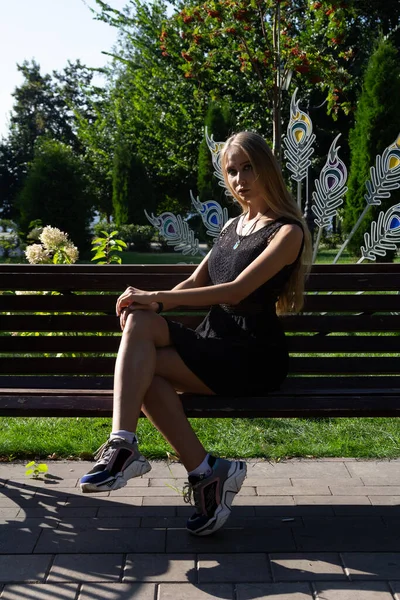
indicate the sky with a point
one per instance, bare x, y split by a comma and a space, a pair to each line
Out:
52, 32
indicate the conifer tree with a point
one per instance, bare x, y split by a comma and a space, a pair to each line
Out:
377, 124
132, 190
219, 123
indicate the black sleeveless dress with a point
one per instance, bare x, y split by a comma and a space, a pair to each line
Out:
239, 350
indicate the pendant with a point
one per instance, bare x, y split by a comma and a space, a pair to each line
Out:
236, 244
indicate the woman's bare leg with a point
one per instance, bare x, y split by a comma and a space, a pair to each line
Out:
145, 368
135, 365
163, 407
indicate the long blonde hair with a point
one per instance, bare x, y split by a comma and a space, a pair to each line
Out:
280, 201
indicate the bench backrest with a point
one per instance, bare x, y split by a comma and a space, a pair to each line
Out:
72, 330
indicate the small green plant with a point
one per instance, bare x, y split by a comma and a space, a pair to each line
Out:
107, 248
35, 470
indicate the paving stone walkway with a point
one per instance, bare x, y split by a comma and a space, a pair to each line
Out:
299, 530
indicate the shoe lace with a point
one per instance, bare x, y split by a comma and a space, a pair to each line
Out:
188, 493
105, 450
191, 495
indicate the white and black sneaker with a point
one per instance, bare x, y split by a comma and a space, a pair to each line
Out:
117, 461
213, 494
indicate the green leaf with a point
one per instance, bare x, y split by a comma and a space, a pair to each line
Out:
31, 464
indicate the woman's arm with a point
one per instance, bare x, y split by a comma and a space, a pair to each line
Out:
281, 251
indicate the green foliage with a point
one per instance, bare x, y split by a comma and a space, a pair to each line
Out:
8, 242
132, 189
150, 108
107, 249
219, 124
56, 191
139, 236
35, 470
102, 226
377, 126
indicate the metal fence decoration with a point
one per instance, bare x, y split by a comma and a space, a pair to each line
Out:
212, 214
385, 234
328, 196
298, 145
215, 149
329, 191
385, 177
176, 232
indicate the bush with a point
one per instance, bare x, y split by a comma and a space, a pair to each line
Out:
138, 236
103, 226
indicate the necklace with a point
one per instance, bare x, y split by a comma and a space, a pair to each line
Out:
240, 235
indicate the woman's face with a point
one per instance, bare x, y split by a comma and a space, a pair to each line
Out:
241, 176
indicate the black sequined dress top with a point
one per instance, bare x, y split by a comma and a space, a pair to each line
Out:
239, 350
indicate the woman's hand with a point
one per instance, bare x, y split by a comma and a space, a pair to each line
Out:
133, 295
127, 310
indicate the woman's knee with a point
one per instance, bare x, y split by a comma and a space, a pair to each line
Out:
141, 323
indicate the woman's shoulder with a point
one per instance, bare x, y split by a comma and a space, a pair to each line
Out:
229, 222
284, 224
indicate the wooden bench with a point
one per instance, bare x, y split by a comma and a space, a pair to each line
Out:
69, 373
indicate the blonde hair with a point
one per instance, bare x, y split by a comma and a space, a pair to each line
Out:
280, 201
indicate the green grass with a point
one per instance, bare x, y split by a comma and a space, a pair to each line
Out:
268, 438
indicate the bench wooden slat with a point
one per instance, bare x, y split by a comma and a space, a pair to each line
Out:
366, 405
294, 385
119, 281
96, 365
106, 303
107, 323
182, 268
110, 343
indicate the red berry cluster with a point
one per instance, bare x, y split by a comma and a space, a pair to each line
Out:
187, 56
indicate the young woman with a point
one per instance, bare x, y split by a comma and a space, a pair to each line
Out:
255, 270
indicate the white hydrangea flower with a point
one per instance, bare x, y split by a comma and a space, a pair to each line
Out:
72, 252
52, 238
26, 292
36, 254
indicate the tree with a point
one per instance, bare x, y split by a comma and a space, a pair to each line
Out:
219, 123
8, 182
248, 49
38, 110
261, 44
132, 190
153, 106
377, 126
56, 191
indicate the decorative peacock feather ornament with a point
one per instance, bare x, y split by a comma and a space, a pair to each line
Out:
385, 234
298, 144
176, 231
329, 191
385, 177
212, 214
215, 149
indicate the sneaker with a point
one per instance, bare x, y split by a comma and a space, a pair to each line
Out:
117, 461
213, 494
